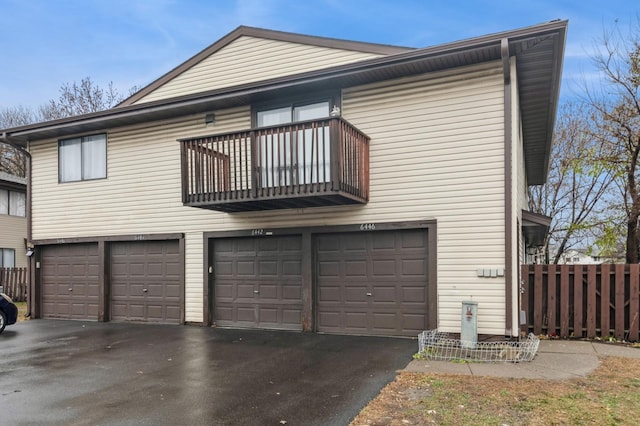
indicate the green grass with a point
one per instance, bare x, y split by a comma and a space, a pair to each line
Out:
609, 396
22, 310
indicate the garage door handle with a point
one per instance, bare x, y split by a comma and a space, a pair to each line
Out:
70, 289
369, 294
256, 291
145, 290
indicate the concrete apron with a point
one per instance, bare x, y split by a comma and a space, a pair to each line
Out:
555, 360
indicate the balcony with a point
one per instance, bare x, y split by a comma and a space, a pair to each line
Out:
305, 164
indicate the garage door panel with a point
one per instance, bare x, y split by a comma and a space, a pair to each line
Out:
224, 292
145, 281
224, 313
329, 294
355, 294
154, 270
245, 290
246, 314
415, 267
156, 311
416, 295
246, 267
268, 315
384, 295
330, 319
69, 277
258, 282
357, 268
385, 241
224, 269
292, 293
413, 240
385, 321
268, 268
172, 291
329, 269
292, 268
356, 320
268, 293
414, 322
372, 282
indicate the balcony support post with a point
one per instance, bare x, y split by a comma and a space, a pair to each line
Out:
336, 146
255, 163
183, 172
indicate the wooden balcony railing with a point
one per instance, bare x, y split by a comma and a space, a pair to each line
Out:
306, 164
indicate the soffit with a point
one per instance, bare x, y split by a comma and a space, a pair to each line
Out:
538, 50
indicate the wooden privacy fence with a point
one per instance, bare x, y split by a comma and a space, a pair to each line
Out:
582, 300
14, 283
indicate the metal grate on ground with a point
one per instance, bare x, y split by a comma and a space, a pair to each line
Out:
437, 345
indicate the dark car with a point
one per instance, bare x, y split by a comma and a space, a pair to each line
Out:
8, 311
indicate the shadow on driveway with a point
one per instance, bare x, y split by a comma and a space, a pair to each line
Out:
76, 373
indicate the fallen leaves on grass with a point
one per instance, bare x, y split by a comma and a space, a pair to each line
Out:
611, 395
22, 310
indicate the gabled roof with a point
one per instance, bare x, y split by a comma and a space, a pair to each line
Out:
539, 52
380, 49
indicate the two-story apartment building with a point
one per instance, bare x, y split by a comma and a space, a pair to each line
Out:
284, 181
13, 221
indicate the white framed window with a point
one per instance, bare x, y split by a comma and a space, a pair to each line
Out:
13, 203
7, 258
82, 158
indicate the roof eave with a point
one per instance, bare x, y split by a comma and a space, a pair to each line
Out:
157, 110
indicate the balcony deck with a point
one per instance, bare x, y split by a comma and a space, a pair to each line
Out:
306, 164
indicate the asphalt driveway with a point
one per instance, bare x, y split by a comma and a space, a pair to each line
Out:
77, 373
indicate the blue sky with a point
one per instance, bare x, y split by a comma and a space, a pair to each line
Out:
45, 43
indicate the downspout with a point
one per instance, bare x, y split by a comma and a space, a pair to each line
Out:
508, 214
4, 138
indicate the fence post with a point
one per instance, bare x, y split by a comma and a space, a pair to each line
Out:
592, 275
634, 301
578, 285
619, 302
537, 298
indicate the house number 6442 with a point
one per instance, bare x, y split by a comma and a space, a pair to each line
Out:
367, 227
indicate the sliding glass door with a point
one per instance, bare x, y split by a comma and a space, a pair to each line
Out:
296, 154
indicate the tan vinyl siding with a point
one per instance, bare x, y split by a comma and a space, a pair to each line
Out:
13, 231
250, 59
436, 153
439, 143
141, 195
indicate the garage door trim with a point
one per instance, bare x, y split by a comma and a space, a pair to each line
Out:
103, 273
308, 322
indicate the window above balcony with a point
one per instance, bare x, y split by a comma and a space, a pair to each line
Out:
297, 156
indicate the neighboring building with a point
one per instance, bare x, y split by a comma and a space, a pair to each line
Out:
578, 257
284, 181
13, 221
582, 257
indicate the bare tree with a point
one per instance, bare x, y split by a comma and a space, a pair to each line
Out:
617, 106
81, 98
74, 99
12, 161
576, 186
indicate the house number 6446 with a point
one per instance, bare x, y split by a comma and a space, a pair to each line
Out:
367, 227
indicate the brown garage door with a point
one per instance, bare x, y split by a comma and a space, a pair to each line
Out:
69, 281
145, 282
372, 283
258, 282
